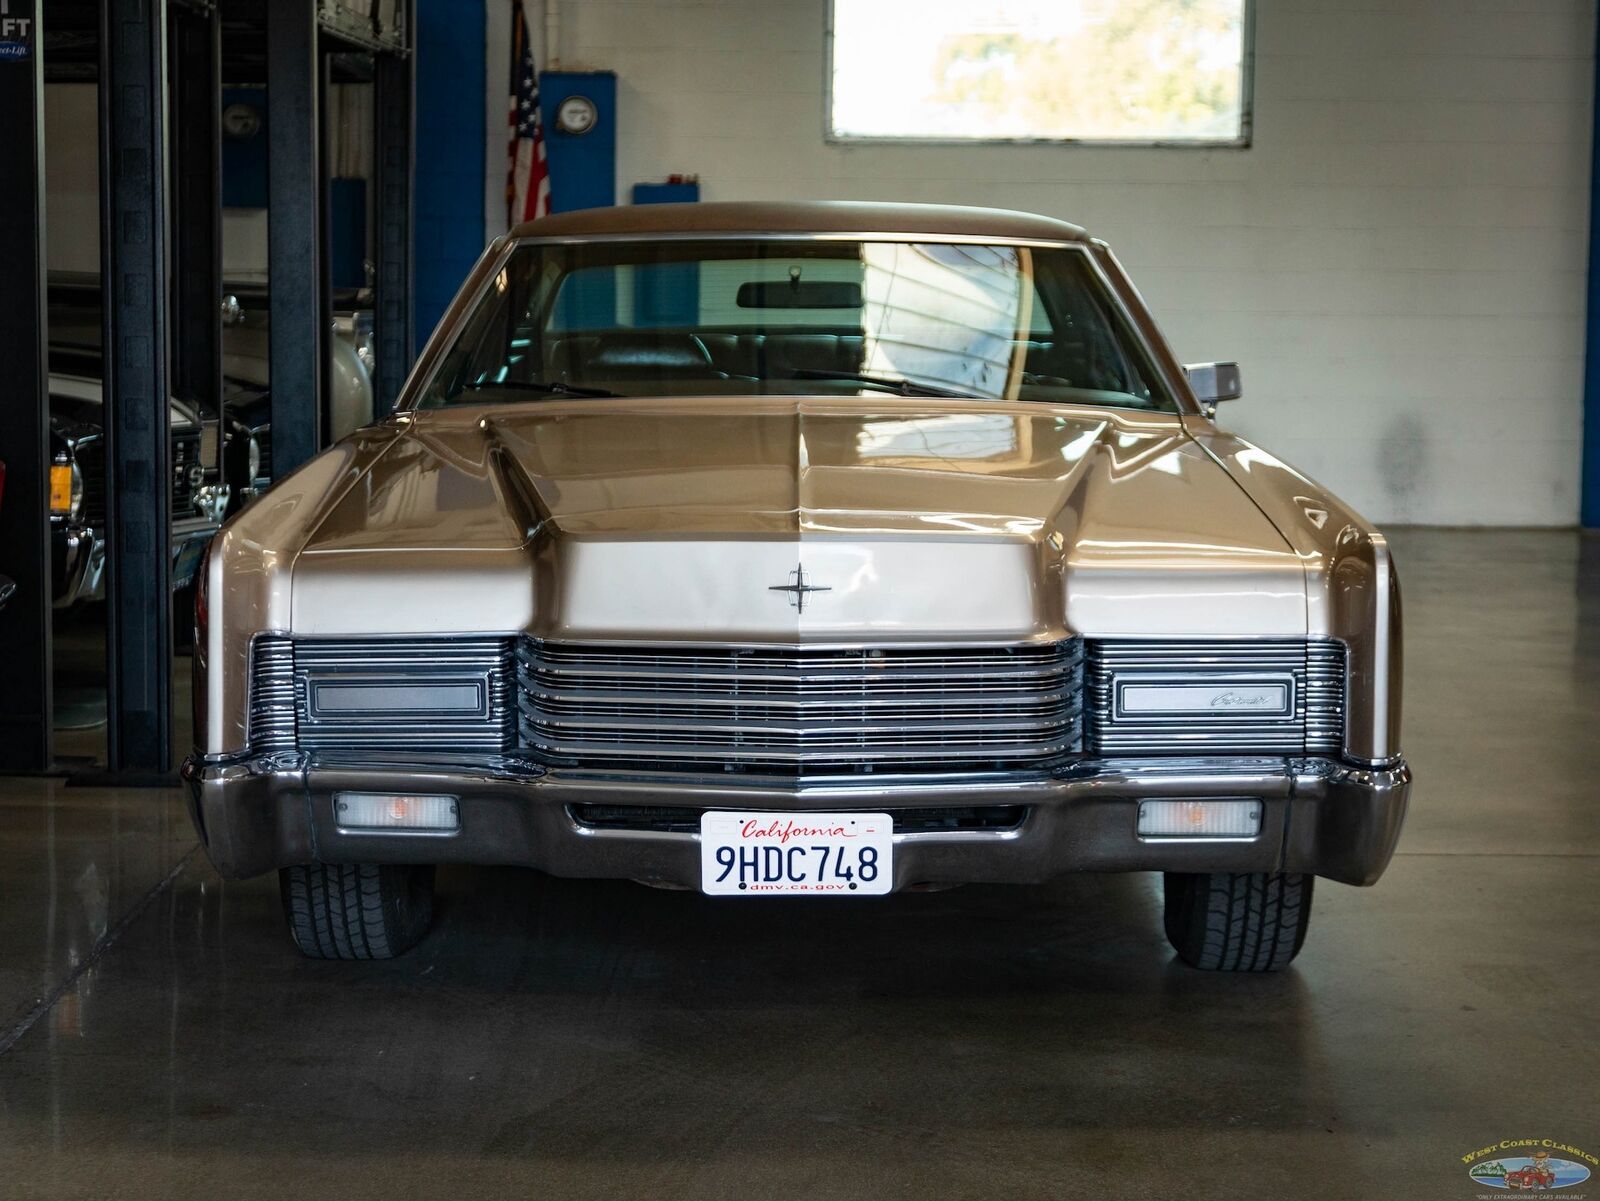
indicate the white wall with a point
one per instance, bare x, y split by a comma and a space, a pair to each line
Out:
72, 177
1398, 261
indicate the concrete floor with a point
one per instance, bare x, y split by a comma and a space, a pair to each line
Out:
159, 1038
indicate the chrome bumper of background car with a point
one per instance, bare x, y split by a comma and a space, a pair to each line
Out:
78, 555
255, 813
78, 563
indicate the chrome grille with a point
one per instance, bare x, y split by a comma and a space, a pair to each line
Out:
271, 725
1312, 671
798, 710
91, 456
186, 453
435, 694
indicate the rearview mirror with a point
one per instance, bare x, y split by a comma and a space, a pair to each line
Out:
1212, 382
799, 294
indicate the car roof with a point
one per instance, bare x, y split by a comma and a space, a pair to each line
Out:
803, 217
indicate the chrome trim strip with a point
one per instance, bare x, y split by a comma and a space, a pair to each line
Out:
791, 235
1381, 649
921, 837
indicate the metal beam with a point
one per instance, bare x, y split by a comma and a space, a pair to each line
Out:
133, 256
197, 208
324, 208
296, 304
392, 169
24, 416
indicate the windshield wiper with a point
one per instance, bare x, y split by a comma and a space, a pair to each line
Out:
552, 388
904, 387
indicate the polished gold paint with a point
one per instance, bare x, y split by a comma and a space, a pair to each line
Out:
927, 520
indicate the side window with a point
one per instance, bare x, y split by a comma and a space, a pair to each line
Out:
1086, 347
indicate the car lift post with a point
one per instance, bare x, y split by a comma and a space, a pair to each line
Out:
133, 244
197, 210
393, 89
297, 304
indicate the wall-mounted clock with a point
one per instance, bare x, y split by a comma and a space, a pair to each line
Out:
576, 114
241, 121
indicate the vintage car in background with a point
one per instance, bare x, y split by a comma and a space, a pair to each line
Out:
219, 460
200, 497
818, 550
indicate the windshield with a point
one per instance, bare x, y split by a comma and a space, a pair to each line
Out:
789, 318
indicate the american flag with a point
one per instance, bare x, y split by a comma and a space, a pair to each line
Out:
527, 174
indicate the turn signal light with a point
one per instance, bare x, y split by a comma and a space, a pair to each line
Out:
61, 488
1199, 819
395, 811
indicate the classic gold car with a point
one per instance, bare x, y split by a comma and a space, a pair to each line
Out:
801, 549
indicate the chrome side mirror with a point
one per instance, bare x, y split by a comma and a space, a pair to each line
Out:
1213, 382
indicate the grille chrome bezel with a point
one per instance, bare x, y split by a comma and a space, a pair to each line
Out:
1314, 670
418, 671
800, 710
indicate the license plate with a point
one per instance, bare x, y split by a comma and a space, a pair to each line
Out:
796, 854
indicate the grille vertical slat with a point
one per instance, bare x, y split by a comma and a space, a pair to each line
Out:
272, 716
1314, 671
796, 710
1325, 695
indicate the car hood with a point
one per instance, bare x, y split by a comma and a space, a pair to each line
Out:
919, 517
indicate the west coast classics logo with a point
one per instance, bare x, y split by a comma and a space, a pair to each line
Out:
1530, 1165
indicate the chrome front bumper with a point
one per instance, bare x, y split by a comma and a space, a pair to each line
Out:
255, 813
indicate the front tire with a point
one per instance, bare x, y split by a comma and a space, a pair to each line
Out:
357, 910
1238, 921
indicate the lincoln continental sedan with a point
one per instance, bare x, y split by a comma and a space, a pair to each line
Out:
801, 550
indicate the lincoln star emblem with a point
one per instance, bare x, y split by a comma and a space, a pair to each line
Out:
797, 588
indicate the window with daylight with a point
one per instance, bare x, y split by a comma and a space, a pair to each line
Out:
1107, 71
